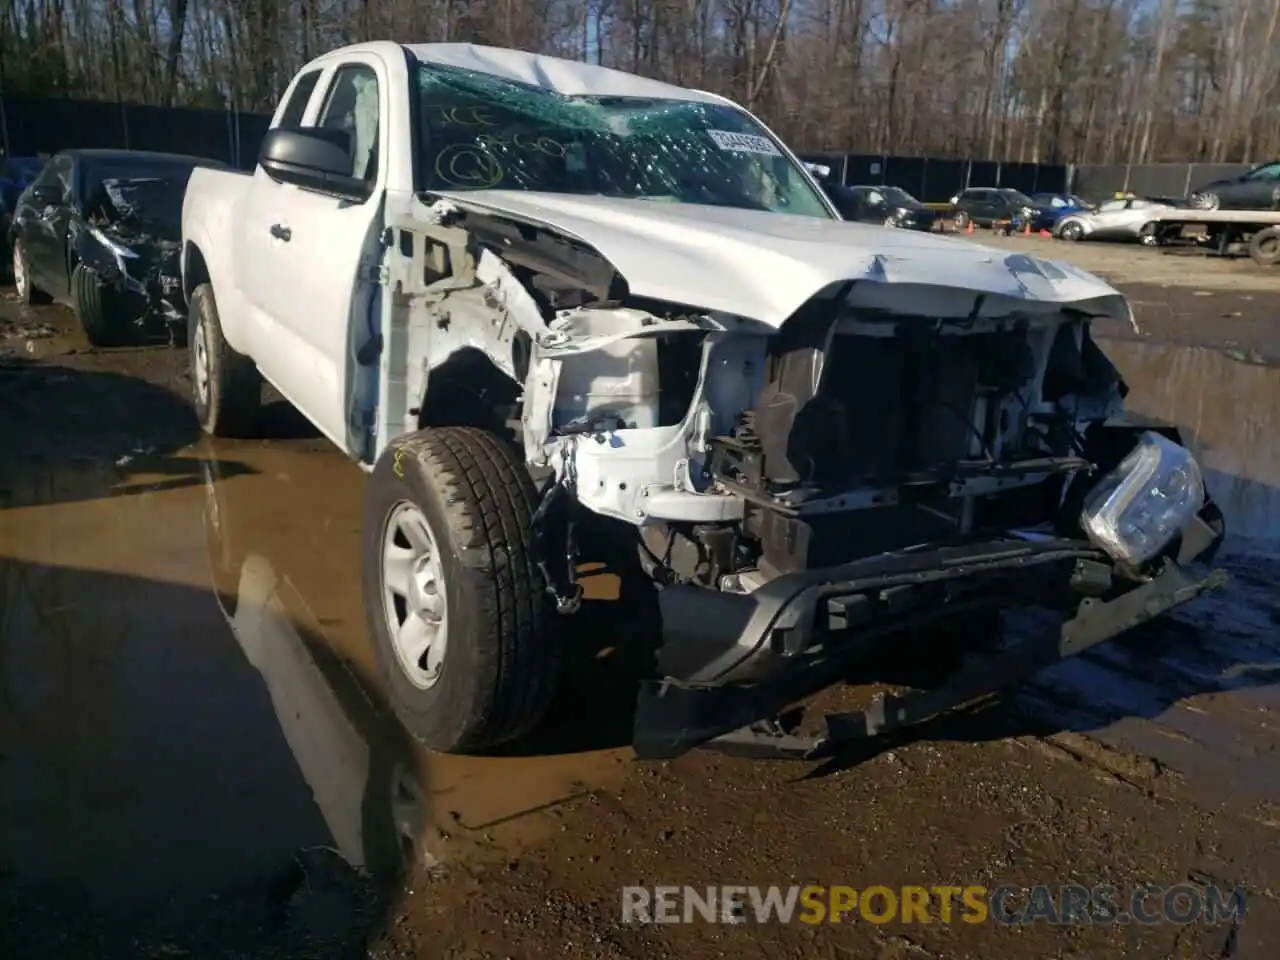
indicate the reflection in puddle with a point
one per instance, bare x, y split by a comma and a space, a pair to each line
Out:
161, 740
1225, 409
284, 553
361, 775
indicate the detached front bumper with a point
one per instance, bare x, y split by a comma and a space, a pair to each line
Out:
730, 661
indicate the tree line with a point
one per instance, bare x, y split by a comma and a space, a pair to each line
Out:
1053, 81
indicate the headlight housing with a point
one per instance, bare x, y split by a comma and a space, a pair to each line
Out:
1140, 506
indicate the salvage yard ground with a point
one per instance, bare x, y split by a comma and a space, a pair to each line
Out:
151, 756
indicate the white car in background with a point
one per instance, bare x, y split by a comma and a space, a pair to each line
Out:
1123, 219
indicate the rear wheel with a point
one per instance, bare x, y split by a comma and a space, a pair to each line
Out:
1264, 247
961, 220
455, 600
28, 292
226, 387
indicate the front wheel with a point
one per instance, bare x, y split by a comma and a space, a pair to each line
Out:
456, 604
1072, 231
94, 308
226, 387
28, 292
960, 220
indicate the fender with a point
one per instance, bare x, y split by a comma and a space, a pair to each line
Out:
219, 274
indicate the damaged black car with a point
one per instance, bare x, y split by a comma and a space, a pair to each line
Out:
99, 230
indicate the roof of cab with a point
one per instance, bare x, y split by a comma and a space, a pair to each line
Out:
569, 77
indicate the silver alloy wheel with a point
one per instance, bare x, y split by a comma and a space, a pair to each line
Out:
413, 595
19, 272
1072, 231
200, 346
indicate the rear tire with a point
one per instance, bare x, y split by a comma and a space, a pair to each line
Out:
28, 292
92, 306
226, 388
961, 220
456, 604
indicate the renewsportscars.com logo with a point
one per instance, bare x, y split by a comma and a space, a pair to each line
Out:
1066, 905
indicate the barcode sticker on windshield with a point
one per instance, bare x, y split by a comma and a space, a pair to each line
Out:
744, 142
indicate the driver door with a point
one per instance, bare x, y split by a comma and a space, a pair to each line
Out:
1111, 217
331, 247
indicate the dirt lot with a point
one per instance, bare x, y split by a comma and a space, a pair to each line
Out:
195, 761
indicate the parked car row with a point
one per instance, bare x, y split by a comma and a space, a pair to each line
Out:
100, 231
1066, 216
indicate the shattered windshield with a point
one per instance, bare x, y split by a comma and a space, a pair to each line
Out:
142, 197
483, 132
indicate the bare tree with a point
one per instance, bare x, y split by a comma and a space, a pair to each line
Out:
1049, 80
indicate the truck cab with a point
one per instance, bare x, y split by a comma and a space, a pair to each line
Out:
298, 281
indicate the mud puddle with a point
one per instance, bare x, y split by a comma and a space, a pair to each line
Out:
1199, 692
36, 334
188, 709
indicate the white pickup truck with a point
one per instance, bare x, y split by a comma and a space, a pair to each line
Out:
470, 267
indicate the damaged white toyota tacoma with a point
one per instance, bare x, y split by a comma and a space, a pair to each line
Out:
524, 292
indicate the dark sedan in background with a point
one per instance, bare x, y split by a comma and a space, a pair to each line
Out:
987, 206
890, 206
100, 230
1259, 189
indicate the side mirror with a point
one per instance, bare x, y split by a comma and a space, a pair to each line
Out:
314, 158
47, 195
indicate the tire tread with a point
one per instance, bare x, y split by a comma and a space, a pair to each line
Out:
490, 503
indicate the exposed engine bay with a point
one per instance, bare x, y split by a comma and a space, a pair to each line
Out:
883, 454
132, 239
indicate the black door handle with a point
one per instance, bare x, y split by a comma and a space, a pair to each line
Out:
281, 232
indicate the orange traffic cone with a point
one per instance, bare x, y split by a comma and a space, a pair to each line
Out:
1026, 229
969, 227
1045, 233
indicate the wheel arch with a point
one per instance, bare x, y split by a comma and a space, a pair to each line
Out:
468, 389
195, 269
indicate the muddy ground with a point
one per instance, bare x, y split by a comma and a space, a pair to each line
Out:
196, 762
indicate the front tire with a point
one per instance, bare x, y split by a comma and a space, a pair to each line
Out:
961, 220
1072, 231
456, 604
92, 306
226, 388
28, 292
